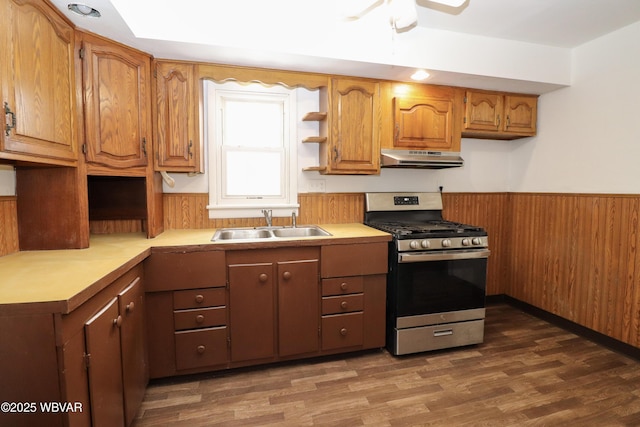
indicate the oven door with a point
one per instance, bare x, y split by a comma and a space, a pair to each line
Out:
439, 282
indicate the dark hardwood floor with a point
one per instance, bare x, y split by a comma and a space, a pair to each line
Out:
527, 372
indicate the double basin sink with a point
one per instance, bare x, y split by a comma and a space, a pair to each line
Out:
259, 233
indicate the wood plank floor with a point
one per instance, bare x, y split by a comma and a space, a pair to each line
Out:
527, 372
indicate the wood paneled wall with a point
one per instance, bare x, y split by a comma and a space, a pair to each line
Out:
9, 242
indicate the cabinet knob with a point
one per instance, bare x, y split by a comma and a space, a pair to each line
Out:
344, 286
200, 349
199, 318
199, 298
129, 308
286, 275
263, 277
344, 304
343, 332
117, 322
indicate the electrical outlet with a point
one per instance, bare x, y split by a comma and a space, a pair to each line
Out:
317, 186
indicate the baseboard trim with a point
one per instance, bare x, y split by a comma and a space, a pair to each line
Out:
590, 334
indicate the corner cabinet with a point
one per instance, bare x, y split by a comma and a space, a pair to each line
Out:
495, 115
178, 143
349, 141
38, 84
116, 104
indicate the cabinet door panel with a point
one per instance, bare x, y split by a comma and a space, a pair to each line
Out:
298, 312
116, 105
483, 111
135, 370
105, 368
423, 123
251, 311
40, 85
521, 114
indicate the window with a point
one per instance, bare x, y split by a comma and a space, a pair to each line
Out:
251, 134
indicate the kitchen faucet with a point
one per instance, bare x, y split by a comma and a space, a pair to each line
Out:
267, 216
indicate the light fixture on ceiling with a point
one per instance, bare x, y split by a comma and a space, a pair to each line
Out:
420, 75
83, 10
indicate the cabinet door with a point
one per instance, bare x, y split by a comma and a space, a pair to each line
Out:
355, 126
38, 84
116, 102
177, 141
483, 111
521, 114
298, 307
423, 123
135, 372
105, 368
251, 311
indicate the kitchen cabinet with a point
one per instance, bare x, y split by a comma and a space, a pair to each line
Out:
116, 104
178, 145
186, 296
495, 115
349, 140
424, 123
38, 84
273, 303
93, 357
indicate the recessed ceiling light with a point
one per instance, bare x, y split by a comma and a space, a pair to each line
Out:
83, 10
420, 75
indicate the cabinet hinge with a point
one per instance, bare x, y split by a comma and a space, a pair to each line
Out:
228, 341
81, 53
155, 73
87, 360
319, 331
84, 148
464, 120
464, 99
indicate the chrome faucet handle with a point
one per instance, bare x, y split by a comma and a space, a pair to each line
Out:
293, 219
268, 214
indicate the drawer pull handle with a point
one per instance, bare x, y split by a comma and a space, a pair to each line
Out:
199, 318
263, 277
286, 275
443, 333
200, 349
130, 307
344, 286
117, 322
344, 305
343, 332
199, 298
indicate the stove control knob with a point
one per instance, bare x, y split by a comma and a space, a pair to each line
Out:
425, 244
476, 241
414, 244
466, 242
446, 243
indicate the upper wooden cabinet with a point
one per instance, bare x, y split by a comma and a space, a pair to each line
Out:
495, 115
116, 104
350, 130
38, 84
425, 118
178, 143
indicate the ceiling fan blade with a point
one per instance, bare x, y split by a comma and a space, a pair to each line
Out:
354, 9
404, 14
450, 3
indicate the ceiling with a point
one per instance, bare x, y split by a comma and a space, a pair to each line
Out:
311, 35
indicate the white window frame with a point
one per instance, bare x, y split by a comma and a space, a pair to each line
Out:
222, 206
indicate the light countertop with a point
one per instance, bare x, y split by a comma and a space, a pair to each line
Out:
59, 280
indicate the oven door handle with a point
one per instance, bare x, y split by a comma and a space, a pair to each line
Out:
443, 255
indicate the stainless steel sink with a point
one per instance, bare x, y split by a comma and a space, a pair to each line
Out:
260, 233
305, 231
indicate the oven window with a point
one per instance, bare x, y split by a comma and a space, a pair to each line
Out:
439, 286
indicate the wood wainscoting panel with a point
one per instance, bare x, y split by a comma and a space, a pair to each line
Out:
575, 255
9, 242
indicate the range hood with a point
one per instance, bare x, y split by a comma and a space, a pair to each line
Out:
417, 159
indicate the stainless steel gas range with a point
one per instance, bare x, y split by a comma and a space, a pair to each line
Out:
436, 283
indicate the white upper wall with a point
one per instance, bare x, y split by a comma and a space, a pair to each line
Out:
588, 134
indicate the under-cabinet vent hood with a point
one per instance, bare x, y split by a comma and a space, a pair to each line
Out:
417, 159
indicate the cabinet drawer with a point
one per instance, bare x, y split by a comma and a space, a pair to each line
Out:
205, 347
342, 285
342, 304
342, 330
199, 318
195, 298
